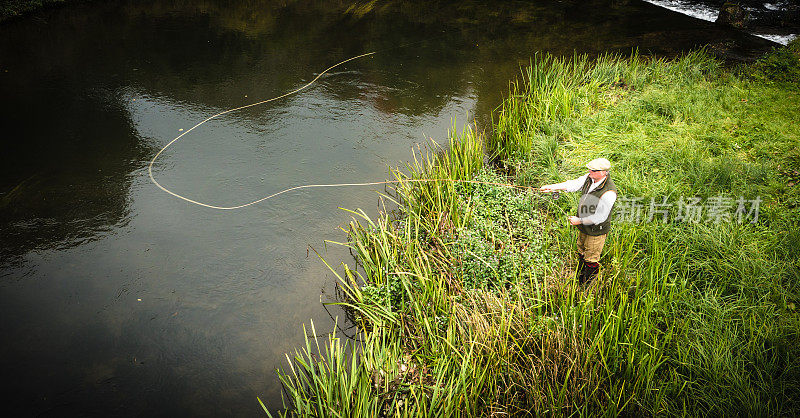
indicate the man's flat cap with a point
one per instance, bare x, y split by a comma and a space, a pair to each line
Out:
599, 164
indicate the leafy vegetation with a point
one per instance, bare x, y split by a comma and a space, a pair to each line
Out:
466, 296
782, 65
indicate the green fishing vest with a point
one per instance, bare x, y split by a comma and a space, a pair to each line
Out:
588, 205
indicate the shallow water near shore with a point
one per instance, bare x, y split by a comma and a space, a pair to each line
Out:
117, 298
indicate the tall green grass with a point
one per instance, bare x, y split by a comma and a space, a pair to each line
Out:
465, 296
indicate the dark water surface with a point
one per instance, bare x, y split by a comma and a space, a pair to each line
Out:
118, 299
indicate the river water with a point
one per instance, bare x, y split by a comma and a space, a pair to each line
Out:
118, 299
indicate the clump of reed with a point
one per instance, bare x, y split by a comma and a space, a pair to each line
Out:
465, 295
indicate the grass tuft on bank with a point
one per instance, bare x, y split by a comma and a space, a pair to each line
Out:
465, 294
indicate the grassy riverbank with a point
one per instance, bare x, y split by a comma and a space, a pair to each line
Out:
465, 294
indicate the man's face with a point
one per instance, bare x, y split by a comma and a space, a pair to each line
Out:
597, 175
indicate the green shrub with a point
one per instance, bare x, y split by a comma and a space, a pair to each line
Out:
781, 65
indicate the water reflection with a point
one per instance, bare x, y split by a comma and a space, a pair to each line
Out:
119, 299
68, 177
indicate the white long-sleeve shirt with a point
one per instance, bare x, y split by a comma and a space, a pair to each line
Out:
603, 207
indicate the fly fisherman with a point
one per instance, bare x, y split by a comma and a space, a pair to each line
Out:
598, 195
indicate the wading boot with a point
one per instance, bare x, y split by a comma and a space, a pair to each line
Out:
581, 267
589, 272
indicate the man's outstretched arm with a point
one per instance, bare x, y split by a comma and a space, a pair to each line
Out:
568, 186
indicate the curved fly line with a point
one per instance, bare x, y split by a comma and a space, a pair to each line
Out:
305, 186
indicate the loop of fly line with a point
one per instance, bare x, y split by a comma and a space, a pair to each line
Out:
306, 186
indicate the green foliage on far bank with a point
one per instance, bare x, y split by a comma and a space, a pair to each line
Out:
466, 297
14, 8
